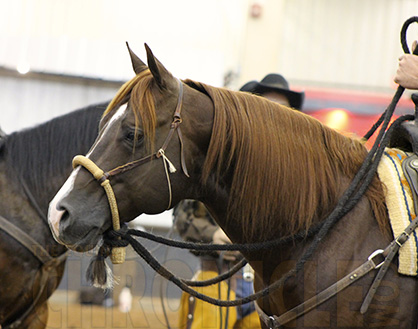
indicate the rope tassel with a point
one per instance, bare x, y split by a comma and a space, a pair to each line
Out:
171, 167
99, 274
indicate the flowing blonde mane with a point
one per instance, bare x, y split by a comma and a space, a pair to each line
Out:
286, 166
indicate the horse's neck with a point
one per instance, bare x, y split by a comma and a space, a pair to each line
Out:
20, 211
40, 157
34, 164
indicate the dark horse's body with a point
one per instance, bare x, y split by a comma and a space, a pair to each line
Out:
40, 159
264, 172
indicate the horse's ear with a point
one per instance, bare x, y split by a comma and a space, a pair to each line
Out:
2, 139
161, 75
137, 64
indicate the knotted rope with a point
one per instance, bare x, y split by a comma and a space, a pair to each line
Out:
117, 253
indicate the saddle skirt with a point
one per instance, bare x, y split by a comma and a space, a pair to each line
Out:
400, 205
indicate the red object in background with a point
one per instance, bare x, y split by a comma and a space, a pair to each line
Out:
256, 10
347, 122
350, 111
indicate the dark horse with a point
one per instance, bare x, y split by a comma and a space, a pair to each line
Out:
263, 170
33, 165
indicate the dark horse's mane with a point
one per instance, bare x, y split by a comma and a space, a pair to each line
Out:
277, 171
45, 151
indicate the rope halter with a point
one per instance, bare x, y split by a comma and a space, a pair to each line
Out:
118, 253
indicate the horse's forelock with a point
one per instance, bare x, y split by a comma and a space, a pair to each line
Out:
138, 92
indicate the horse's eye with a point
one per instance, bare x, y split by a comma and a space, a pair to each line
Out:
131, 136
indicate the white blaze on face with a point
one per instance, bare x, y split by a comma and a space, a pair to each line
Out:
54, 214
115, 118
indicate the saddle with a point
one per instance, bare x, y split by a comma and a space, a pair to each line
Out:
405, 137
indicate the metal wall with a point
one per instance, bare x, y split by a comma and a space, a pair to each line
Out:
88, 37
331, 43
27, 102
194, 39
354, 43
340, 44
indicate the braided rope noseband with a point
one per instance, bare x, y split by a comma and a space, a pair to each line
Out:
118, 253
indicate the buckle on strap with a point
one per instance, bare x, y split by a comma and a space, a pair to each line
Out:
377, 253
402, 238
272, 323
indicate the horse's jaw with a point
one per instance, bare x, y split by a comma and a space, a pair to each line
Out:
78, 228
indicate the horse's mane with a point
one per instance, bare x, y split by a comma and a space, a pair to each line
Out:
285, 164
42, 155
282, 163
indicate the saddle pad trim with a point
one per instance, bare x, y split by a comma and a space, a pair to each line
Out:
400, 207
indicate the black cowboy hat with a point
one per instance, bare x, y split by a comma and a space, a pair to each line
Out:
275, 82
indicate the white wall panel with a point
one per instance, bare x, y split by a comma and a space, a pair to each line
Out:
336, 43
353, 43
88, 37
24, 102
194, 39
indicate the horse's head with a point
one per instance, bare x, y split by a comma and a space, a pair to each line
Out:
151, 140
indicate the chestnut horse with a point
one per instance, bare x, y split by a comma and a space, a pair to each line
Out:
34, 163
263, 170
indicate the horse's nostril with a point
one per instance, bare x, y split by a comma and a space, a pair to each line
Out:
62, 210
64, 215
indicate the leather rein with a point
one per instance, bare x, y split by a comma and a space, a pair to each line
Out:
379, 259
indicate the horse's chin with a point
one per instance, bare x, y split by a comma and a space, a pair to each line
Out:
86, 243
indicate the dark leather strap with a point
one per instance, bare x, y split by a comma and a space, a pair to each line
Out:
47, 264
42, 285
26, 240
45, 275
273, 321
32, 199
410, 168
128, 166
387, 255
183, 160
391, 251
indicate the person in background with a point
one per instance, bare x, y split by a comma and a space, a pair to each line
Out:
407, 73
276, 88
195, 224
